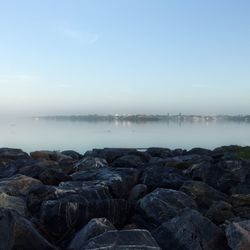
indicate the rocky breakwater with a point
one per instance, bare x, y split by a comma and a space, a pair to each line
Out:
125, 199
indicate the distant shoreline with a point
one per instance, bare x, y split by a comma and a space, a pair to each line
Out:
147, 118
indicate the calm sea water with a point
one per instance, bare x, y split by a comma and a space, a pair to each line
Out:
32, 135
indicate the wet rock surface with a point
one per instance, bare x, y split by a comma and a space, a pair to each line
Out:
119, 198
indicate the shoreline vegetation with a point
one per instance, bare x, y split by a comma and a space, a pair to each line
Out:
121, 198
147, 118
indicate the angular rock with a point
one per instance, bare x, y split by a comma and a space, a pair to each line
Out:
160, 152
120, 181
203, 194
155, 176
12, 202
199, 151
7, 170
128, 161
18, 233
162, 205
18, 185
241, 205
219, 212
88, 163
121, 240
12, 154
137, 192
238, 235
94, 228
190, 231
64, 216
49, 155
224, 175
73, 154
110, 154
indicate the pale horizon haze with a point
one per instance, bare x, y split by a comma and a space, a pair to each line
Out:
126, 56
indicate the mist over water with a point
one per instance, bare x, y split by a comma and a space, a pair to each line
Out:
32, 134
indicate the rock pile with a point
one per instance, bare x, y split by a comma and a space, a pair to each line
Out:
125, 199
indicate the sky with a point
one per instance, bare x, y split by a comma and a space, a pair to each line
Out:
124, 56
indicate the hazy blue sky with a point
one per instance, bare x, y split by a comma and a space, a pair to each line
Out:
124, 56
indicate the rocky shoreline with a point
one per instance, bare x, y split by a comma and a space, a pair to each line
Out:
125, 199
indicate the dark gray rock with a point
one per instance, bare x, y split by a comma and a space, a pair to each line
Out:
162, 205
203, 194
64, 216
94, 228
12, 154
155, 176
190, 231
88, 163
128, 161
17, 233
238, 235
223, 175
241, 205
199, 151
7, 170
137, 192
160, 152
120, 240
219, 212
73, 154
110, 154
18, 185
120, 181
12, 202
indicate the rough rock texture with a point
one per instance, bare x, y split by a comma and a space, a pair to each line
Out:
238, 235
94, 228
126, 239
219, 212
162, 176
64, 216
190, 231
203, 194
12, 202
163, 204
120, 181
18, 233
108, 197
18, 185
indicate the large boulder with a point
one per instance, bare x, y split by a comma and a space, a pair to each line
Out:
119, 180
241, 205
7, 170
161, 176
88, 163
12, 202
121, 240
73, 154
110, 154
137, 192
238, 235
18, 233
219, 212
190, 231
7, 154
224, 175
64, 216
94, 228
128, 161
203, 194
18, 185
160, 152
162, 205
83, 190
